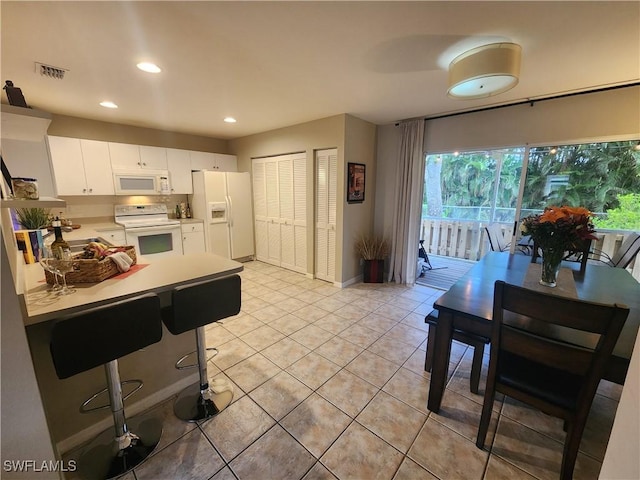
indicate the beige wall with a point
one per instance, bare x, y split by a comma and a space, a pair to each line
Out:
64, 126
357, 218
305, 137
355, 141
601, 115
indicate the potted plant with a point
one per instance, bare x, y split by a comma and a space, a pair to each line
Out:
33, 218
373, 250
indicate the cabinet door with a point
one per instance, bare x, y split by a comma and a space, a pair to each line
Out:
97, 167
124, 156
153, 158
225, 163
179, 164
202, 161
68, 166
193, 238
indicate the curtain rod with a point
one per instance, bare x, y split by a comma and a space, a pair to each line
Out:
532, 101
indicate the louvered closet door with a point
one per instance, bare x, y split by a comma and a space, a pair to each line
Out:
299, 164
326, 198
280, 210
260, 211
273, 212
287, 235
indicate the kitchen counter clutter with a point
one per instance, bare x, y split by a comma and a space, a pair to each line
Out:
158, 276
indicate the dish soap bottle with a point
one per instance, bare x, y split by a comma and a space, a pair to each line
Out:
59, 245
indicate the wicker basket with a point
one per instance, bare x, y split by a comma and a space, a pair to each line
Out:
93, 270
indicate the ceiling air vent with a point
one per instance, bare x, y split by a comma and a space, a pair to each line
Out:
50, 71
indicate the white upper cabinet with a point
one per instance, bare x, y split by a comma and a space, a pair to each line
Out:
179, 164
214, 161
80, 167
124, 156
154, 158
226, 162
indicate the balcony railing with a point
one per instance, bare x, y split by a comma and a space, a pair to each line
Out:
468, 239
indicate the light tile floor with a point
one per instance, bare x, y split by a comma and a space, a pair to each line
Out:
330, 383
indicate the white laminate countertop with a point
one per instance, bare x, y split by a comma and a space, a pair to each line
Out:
159, 275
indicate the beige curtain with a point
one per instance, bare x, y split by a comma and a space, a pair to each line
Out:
408, 203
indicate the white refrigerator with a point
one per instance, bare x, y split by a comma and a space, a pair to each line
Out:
223, 200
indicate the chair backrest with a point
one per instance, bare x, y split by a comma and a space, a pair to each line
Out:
99, 335
627, 251
202, 303
496, 238
541, 323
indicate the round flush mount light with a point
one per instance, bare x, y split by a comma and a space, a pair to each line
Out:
229, 120
108, 104
484, 71
149, 67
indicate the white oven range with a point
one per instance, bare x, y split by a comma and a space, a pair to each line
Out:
148, 228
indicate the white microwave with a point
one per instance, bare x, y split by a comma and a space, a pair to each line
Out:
150, 182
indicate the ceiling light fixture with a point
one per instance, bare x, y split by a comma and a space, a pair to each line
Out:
108, 104
230, 120
484, 71
149, 67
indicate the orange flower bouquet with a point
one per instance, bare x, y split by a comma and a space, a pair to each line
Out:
559, 232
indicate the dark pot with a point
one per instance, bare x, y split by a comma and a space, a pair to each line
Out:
373, 271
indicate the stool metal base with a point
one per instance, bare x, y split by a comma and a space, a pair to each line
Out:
106, 457
193, 405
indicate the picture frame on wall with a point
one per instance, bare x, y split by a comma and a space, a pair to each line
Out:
355, 182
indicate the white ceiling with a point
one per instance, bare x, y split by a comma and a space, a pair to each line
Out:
274, 64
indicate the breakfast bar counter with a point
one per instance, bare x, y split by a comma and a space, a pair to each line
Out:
159, 275
154, 365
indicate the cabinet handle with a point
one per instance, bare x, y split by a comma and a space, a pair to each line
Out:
90, 190
84, 190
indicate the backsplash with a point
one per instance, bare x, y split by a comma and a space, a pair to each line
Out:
100, 207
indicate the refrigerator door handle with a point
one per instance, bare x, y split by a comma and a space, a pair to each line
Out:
229, 210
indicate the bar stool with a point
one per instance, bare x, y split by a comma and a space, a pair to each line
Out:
99, 336
192, 307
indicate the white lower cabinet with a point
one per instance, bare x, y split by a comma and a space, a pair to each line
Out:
193, 238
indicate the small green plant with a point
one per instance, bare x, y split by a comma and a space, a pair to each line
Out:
33, 218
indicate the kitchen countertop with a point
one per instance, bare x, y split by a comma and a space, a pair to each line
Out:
160, 275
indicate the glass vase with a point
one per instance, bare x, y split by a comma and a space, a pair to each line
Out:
551, 260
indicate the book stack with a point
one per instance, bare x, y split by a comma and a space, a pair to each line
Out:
31, 243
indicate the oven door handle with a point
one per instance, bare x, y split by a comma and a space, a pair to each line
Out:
166, 228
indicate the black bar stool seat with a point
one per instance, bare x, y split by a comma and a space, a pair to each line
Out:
192, 307
99, 336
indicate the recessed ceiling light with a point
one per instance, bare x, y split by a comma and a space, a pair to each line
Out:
230, 120
149, 67
108, 104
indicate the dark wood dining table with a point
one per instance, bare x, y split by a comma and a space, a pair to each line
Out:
468, 306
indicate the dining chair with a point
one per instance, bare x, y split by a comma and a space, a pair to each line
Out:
623, 256
555, 376
496, 238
